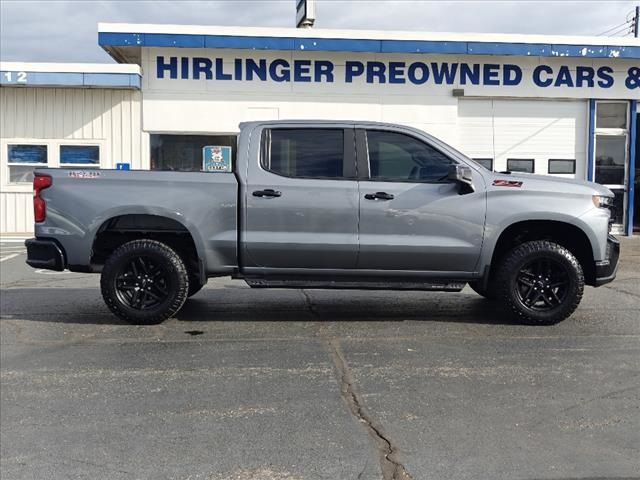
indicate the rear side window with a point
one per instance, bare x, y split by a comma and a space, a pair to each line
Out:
396, 157
304, 152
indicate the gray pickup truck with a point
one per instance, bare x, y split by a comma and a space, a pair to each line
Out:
312, 204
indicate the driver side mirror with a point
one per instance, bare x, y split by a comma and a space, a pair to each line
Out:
462, 175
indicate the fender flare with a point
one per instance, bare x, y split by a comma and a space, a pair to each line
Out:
105, 216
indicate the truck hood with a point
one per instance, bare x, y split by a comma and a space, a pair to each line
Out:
553, 184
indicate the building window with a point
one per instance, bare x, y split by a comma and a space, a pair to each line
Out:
305, 153
558, 166
396, 157
79, 155
611, 157
184, 153
611, 115
520, 165
485, 162
22, 159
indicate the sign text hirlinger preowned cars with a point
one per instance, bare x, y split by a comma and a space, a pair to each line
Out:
390, 72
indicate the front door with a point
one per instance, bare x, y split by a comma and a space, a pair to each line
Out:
302, 200
412, 218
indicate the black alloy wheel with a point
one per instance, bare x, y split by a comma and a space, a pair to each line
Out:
542, 284
540, 281
144, 282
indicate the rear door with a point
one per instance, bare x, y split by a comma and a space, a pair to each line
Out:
412, 218
301, 198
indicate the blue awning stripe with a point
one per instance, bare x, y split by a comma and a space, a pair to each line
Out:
109, 39
246, 43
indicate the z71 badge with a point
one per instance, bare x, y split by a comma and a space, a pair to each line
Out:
507, 183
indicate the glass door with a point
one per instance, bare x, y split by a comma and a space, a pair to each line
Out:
636, 180
612, 156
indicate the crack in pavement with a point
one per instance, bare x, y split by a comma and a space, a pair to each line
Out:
391, 468
622, 290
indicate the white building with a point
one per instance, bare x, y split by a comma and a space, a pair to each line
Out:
549, 105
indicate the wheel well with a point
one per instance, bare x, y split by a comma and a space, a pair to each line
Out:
124, 228
565, 234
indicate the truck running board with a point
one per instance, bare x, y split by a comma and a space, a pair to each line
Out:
440, 286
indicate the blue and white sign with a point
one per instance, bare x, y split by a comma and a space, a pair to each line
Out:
216, 158
123, 166
419, 73
8, 78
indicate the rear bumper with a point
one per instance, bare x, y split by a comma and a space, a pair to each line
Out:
45, 253
606, 270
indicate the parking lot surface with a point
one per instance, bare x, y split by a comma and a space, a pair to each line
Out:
304, 384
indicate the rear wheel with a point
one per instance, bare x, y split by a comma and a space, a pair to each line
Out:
541, 282
144, 282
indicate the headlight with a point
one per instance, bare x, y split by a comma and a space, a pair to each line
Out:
601, 201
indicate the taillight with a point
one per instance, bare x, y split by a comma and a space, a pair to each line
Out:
40, 182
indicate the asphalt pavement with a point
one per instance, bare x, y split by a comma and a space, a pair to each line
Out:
315, 384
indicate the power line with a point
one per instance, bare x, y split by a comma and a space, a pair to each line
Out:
616, 27
629, 29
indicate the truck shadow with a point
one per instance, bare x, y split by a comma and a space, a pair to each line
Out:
85, 306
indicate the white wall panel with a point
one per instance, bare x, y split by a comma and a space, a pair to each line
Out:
514, 128
475, 127
16, 212
108, 117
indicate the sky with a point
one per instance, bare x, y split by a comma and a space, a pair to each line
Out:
66, 31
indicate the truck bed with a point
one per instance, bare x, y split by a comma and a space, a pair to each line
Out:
82, 201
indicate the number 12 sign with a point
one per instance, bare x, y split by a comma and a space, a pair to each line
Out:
13, 77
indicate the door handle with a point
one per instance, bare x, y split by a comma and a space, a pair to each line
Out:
267, 192
379, 196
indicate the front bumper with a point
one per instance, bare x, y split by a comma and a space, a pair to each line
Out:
606, 270
45, 253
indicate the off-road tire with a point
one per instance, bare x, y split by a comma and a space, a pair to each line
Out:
489, 292
175, 281
516, 262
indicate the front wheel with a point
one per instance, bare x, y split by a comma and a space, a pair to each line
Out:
144, 282
541, 282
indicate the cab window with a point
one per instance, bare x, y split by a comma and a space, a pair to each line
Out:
396, 157
304, 152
